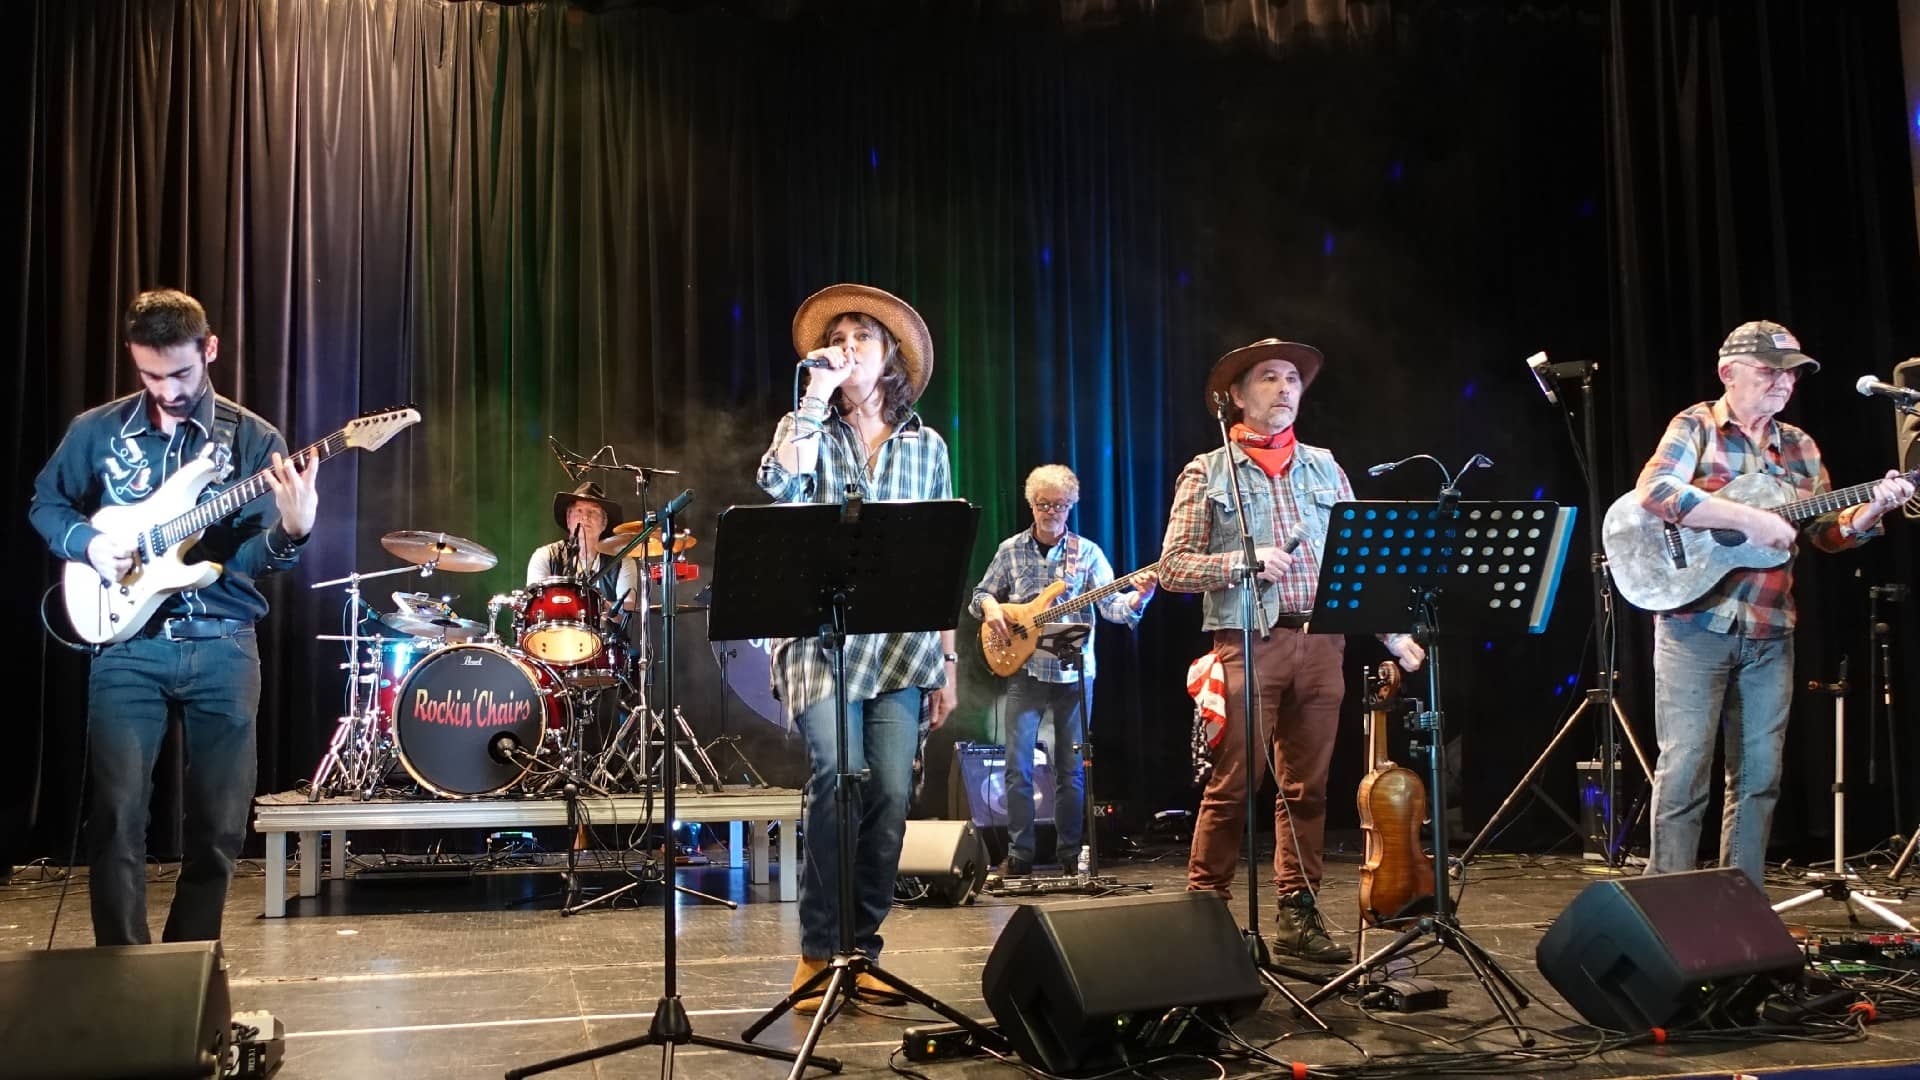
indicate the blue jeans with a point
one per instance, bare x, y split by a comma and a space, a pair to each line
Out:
883, 734
214, 686
1703, 682
1028, 700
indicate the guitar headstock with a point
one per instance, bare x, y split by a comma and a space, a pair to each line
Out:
372, 430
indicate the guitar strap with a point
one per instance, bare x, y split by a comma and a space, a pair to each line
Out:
226, 426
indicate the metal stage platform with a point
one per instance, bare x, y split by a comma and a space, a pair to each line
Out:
745, 810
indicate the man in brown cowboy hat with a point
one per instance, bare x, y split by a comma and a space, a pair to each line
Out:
587, 516
1724, 662
856, 428
1290, 489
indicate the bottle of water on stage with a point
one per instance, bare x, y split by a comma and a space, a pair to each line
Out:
1086, 863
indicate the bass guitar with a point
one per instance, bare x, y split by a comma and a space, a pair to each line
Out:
163, 527
1027, 623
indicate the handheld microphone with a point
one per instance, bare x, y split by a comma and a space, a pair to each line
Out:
1537, 363
814, 361
1868, 386
677, 503
1296, 536
1383, 468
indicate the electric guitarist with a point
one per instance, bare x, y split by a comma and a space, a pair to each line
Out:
196, 655
1724, 662
1049, 684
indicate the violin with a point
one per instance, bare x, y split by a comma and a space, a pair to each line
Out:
1397, 878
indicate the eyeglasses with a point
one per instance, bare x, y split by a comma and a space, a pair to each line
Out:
1771, 374
1048, 507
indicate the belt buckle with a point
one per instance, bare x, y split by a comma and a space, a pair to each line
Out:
166, 629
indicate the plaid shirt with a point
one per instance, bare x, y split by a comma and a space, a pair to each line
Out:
1704, 449
1195, 560
911, 464
1021, 568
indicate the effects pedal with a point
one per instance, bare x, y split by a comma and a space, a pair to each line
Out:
1405, 994
940, 1042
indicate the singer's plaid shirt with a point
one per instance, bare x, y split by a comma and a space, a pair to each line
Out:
1704, 449
911, 464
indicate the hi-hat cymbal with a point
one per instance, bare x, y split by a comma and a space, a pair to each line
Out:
445, 552
451, 628
650, 550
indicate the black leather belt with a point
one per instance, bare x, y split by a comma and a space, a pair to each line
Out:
1289, 621
195, 629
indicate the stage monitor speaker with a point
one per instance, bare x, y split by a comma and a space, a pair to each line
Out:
947, 859
151, 1011
1642, 952
1906, 430
1089, 985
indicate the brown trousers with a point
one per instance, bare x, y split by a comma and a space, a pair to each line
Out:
1298, 685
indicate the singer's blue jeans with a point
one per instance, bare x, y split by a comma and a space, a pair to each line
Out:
1706, 683
883, 734
214, 686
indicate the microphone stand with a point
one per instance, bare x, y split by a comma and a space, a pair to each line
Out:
1252, 604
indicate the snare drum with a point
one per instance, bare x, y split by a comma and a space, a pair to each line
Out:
395, 658
560, 622
473, 719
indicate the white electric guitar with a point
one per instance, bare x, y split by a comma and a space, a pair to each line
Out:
164, 526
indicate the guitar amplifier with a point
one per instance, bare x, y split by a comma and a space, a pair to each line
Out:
977, 785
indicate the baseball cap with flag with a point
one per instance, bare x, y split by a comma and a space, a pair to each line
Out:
1768, 343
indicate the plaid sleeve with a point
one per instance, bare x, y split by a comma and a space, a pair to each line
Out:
1824, 531
1117, 608
1185, 565
1668, 475
773, 478
998, 580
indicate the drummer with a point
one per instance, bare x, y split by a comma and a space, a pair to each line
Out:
587, 516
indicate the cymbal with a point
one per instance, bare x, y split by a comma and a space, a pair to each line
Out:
446, 552
426, 624
650, 550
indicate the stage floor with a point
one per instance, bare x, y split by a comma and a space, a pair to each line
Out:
467, 976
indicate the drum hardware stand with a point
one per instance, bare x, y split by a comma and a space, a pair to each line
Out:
1602, 698
571, 904
1839, 885
754, 779
363, 761
671, 1027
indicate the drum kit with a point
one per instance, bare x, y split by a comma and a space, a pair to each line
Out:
463, 709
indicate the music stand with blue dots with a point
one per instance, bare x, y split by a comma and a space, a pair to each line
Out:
1387, 567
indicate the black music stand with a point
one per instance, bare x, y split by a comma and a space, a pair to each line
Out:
1386, 568
670, 1027
827, 571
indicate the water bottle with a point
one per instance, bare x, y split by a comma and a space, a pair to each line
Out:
1086, 861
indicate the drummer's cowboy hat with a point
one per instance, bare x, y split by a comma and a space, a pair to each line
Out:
817, 313
587, 492
1228, 369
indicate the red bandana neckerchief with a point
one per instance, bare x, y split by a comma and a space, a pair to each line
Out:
1273, 453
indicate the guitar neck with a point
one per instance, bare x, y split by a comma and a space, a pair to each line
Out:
1807, 509
1068, 607
239, 495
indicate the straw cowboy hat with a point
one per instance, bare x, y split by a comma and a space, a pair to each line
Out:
1228, 369
818, 311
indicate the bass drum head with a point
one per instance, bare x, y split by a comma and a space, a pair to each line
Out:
459, 710
747, 667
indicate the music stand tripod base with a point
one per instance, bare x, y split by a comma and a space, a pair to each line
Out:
1391, 567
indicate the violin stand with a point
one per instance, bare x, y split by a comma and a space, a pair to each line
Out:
1384, 569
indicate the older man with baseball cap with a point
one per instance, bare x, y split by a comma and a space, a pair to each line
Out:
1724, 662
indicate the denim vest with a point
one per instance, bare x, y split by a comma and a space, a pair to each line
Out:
1316, 481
